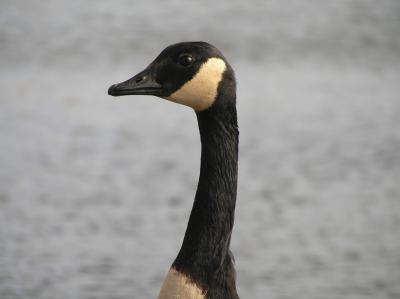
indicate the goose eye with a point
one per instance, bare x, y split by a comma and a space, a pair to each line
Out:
185, 60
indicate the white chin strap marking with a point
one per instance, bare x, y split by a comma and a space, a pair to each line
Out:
201, 91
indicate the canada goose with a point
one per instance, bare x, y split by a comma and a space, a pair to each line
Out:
197, 75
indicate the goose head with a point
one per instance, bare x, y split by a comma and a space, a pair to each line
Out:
194, 74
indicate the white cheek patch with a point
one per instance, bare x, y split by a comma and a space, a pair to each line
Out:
177, 285
201, 91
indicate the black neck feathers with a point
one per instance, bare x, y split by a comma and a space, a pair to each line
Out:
205, 256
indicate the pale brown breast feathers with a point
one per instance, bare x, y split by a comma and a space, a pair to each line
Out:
177, 286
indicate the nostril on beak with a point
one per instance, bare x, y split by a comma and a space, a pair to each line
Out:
140, 79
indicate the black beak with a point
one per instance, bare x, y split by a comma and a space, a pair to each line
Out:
141, 84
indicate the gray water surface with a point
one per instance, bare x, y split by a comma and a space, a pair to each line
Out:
95, 193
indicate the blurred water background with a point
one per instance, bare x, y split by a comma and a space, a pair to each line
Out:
95, 192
